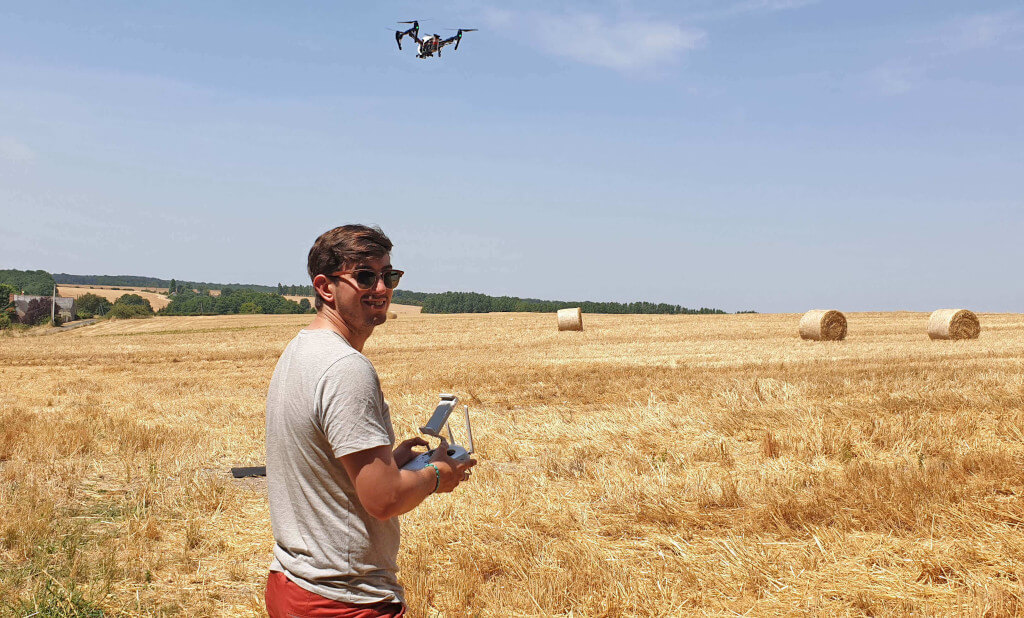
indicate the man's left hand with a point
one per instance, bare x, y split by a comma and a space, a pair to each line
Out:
403, 453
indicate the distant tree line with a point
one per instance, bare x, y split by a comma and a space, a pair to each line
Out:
295, 290
472, 302
192, 298
133, 281
232, 300
31, 282
406, 297
128, 281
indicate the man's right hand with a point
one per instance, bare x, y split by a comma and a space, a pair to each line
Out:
452, 471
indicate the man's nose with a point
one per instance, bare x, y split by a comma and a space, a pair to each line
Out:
378, 286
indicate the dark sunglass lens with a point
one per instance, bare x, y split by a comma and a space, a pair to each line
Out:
366, 279
391, 278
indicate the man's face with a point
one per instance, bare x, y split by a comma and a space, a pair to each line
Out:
363, 308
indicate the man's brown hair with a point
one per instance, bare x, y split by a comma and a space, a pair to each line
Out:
343, 246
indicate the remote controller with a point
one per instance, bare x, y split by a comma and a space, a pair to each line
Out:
438, 421
419, 462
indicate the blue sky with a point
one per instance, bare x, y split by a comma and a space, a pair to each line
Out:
775, 155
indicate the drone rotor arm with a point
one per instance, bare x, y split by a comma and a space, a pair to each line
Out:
458, 36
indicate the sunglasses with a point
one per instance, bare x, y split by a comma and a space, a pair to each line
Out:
366, 279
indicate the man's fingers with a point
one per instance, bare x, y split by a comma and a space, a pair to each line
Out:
441, 454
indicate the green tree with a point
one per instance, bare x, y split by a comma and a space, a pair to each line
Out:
134, 300
304, 305
90, 305
172, 287
7, 314
5, 295
123, 312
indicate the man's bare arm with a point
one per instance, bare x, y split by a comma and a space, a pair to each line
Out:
387, 491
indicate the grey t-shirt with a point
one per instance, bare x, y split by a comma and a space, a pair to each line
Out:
325, 402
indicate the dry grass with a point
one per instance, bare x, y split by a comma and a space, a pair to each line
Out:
651, 465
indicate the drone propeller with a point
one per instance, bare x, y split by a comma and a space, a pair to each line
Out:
458, 35
414, 31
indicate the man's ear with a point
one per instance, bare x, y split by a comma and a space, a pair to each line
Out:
322, 286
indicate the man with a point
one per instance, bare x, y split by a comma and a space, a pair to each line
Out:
334, 477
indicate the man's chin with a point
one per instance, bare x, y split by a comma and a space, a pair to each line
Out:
376, 318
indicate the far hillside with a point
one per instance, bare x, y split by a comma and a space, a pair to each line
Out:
156, 300
135, 281
430, 302
472, 302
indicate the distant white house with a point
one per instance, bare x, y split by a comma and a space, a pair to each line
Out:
66, 308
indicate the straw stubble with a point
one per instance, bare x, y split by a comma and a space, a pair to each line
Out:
673, 465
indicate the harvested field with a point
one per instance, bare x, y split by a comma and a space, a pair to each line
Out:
651, 466
406, 309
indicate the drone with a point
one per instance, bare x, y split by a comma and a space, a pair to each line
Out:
431, 44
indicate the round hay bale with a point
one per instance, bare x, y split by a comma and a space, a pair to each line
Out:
953, 324
392, 315
570, 319
823, 325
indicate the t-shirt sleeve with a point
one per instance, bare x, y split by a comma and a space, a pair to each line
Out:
352, 409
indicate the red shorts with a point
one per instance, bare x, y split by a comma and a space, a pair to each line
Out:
286, 599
